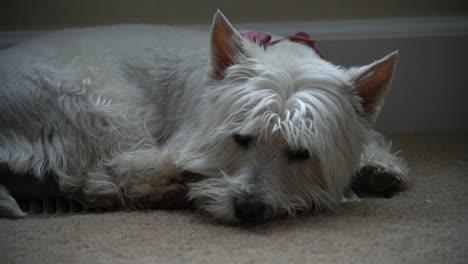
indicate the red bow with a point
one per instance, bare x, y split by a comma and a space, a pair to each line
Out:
264, 39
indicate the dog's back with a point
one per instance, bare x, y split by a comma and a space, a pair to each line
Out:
74, 97
105, 55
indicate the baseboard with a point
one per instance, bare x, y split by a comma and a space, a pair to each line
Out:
371, 28
429, 89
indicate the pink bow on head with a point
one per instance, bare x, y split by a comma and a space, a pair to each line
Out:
264, 39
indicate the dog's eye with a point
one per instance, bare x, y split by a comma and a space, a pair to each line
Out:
243, 140
297, 155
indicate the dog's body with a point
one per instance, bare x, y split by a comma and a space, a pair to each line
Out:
119, 115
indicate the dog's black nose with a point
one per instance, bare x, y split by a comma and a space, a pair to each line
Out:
249, 211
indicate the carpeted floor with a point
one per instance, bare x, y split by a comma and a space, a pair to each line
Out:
428, 223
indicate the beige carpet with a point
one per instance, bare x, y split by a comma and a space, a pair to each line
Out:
426, 224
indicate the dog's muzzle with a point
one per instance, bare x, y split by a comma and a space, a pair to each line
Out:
249, 211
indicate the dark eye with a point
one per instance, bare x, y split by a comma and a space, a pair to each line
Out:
243, 140
297, 155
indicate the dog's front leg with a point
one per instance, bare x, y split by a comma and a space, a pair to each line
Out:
382, 172
149, 178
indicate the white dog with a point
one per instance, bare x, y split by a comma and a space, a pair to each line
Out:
119, 115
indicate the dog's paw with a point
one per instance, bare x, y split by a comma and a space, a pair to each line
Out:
373, 180
9, 208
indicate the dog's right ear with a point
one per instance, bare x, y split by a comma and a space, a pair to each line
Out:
226, 45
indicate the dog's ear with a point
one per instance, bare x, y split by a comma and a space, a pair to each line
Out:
372, 82
226, 44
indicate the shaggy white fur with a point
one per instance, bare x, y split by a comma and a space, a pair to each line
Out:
113, 112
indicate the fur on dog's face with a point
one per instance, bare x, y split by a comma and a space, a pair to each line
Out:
282, 130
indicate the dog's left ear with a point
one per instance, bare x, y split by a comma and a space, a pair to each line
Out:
226, 45
372, 83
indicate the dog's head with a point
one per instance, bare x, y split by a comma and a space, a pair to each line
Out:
281, 129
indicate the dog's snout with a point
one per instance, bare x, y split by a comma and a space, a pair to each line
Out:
249, 211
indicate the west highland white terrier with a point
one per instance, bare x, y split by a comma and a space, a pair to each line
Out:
139, 116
